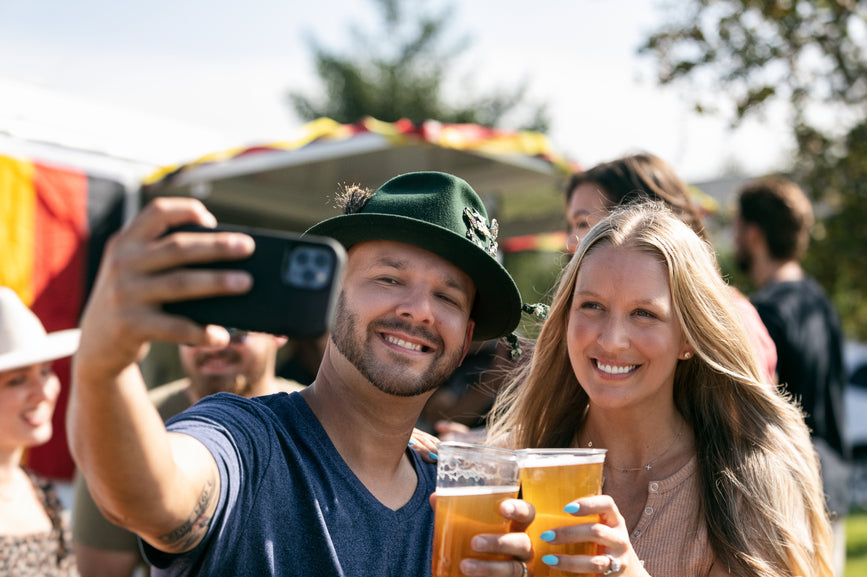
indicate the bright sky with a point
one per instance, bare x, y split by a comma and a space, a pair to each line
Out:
214, 74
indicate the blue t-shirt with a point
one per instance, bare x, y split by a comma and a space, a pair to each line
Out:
289, 504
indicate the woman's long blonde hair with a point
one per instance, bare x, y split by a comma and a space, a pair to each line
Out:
761, 492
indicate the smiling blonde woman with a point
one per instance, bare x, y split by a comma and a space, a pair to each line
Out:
708, 470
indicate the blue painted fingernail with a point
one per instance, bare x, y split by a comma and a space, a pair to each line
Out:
571, 508
548, 536
433, 456
411, 443
551, 560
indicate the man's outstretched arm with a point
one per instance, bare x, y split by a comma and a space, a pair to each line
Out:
160, 485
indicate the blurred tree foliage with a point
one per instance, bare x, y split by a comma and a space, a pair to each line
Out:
739, 56
401, 70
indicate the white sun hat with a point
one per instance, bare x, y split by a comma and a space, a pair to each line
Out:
23, 340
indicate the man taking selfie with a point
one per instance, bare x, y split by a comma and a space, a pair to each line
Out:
318, 482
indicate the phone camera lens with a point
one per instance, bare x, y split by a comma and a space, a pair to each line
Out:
309, 267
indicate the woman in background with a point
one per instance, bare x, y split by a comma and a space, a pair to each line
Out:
34, 534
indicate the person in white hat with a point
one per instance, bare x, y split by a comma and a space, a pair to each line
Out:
34, 536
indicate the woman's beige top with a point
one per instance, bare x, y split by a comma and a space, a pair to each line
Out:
670, 538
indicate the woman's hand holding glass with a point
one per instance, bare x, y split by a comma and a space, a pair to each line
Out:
615, 553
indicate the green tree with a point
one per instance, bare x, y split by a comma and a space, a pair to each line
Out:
739, 56
401, 70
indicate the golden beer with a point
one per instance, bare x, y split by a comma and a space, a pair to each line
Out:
461, 514
472, 481
551, 479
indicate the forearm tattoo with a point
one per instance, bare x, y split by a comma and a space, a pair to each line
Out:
187, 535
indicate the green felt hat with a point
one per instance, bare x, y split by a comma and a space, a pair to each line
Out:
441, 214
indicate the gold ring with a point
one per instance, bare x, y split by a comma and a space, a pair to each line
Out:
523, 569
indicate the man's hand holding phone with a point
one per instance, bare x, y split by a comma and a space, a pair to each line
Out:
206, 279
295, 285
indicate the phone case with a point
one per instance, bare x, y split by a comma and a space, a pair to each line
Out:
295, 286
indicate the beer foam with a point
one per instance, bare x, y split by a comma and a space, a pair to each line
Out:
475, 490
558, 459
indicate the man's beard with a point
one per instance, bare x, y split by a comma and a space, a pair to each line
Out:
239, 383
388, 377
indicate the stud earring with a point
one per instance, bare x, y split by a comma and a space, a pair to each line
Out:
687, 354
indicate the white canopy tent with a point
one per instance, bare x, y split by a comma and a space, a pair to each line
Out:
290, 185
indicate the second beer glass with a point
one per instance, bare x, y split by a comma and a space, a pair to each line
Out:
551, 479
472, 481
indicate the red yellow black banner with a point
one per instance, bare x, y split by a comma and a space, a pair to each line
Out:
54, 222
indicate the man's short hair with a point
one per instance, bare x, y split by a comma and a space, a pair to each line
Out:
782, 211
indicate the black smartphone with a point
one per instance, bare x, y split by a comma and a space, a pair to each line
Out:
296, 280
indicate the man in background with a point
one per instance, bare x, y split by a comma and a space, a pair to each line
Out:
772, 231
244, 367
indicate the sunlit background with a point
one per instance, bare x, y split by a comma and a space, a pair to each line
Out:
164, 82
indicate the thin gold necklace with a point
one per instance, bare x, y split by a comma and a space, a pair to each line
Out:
649, 465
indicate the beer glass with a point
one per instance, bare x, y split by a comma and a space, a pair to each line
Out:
551, 479
472, 481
